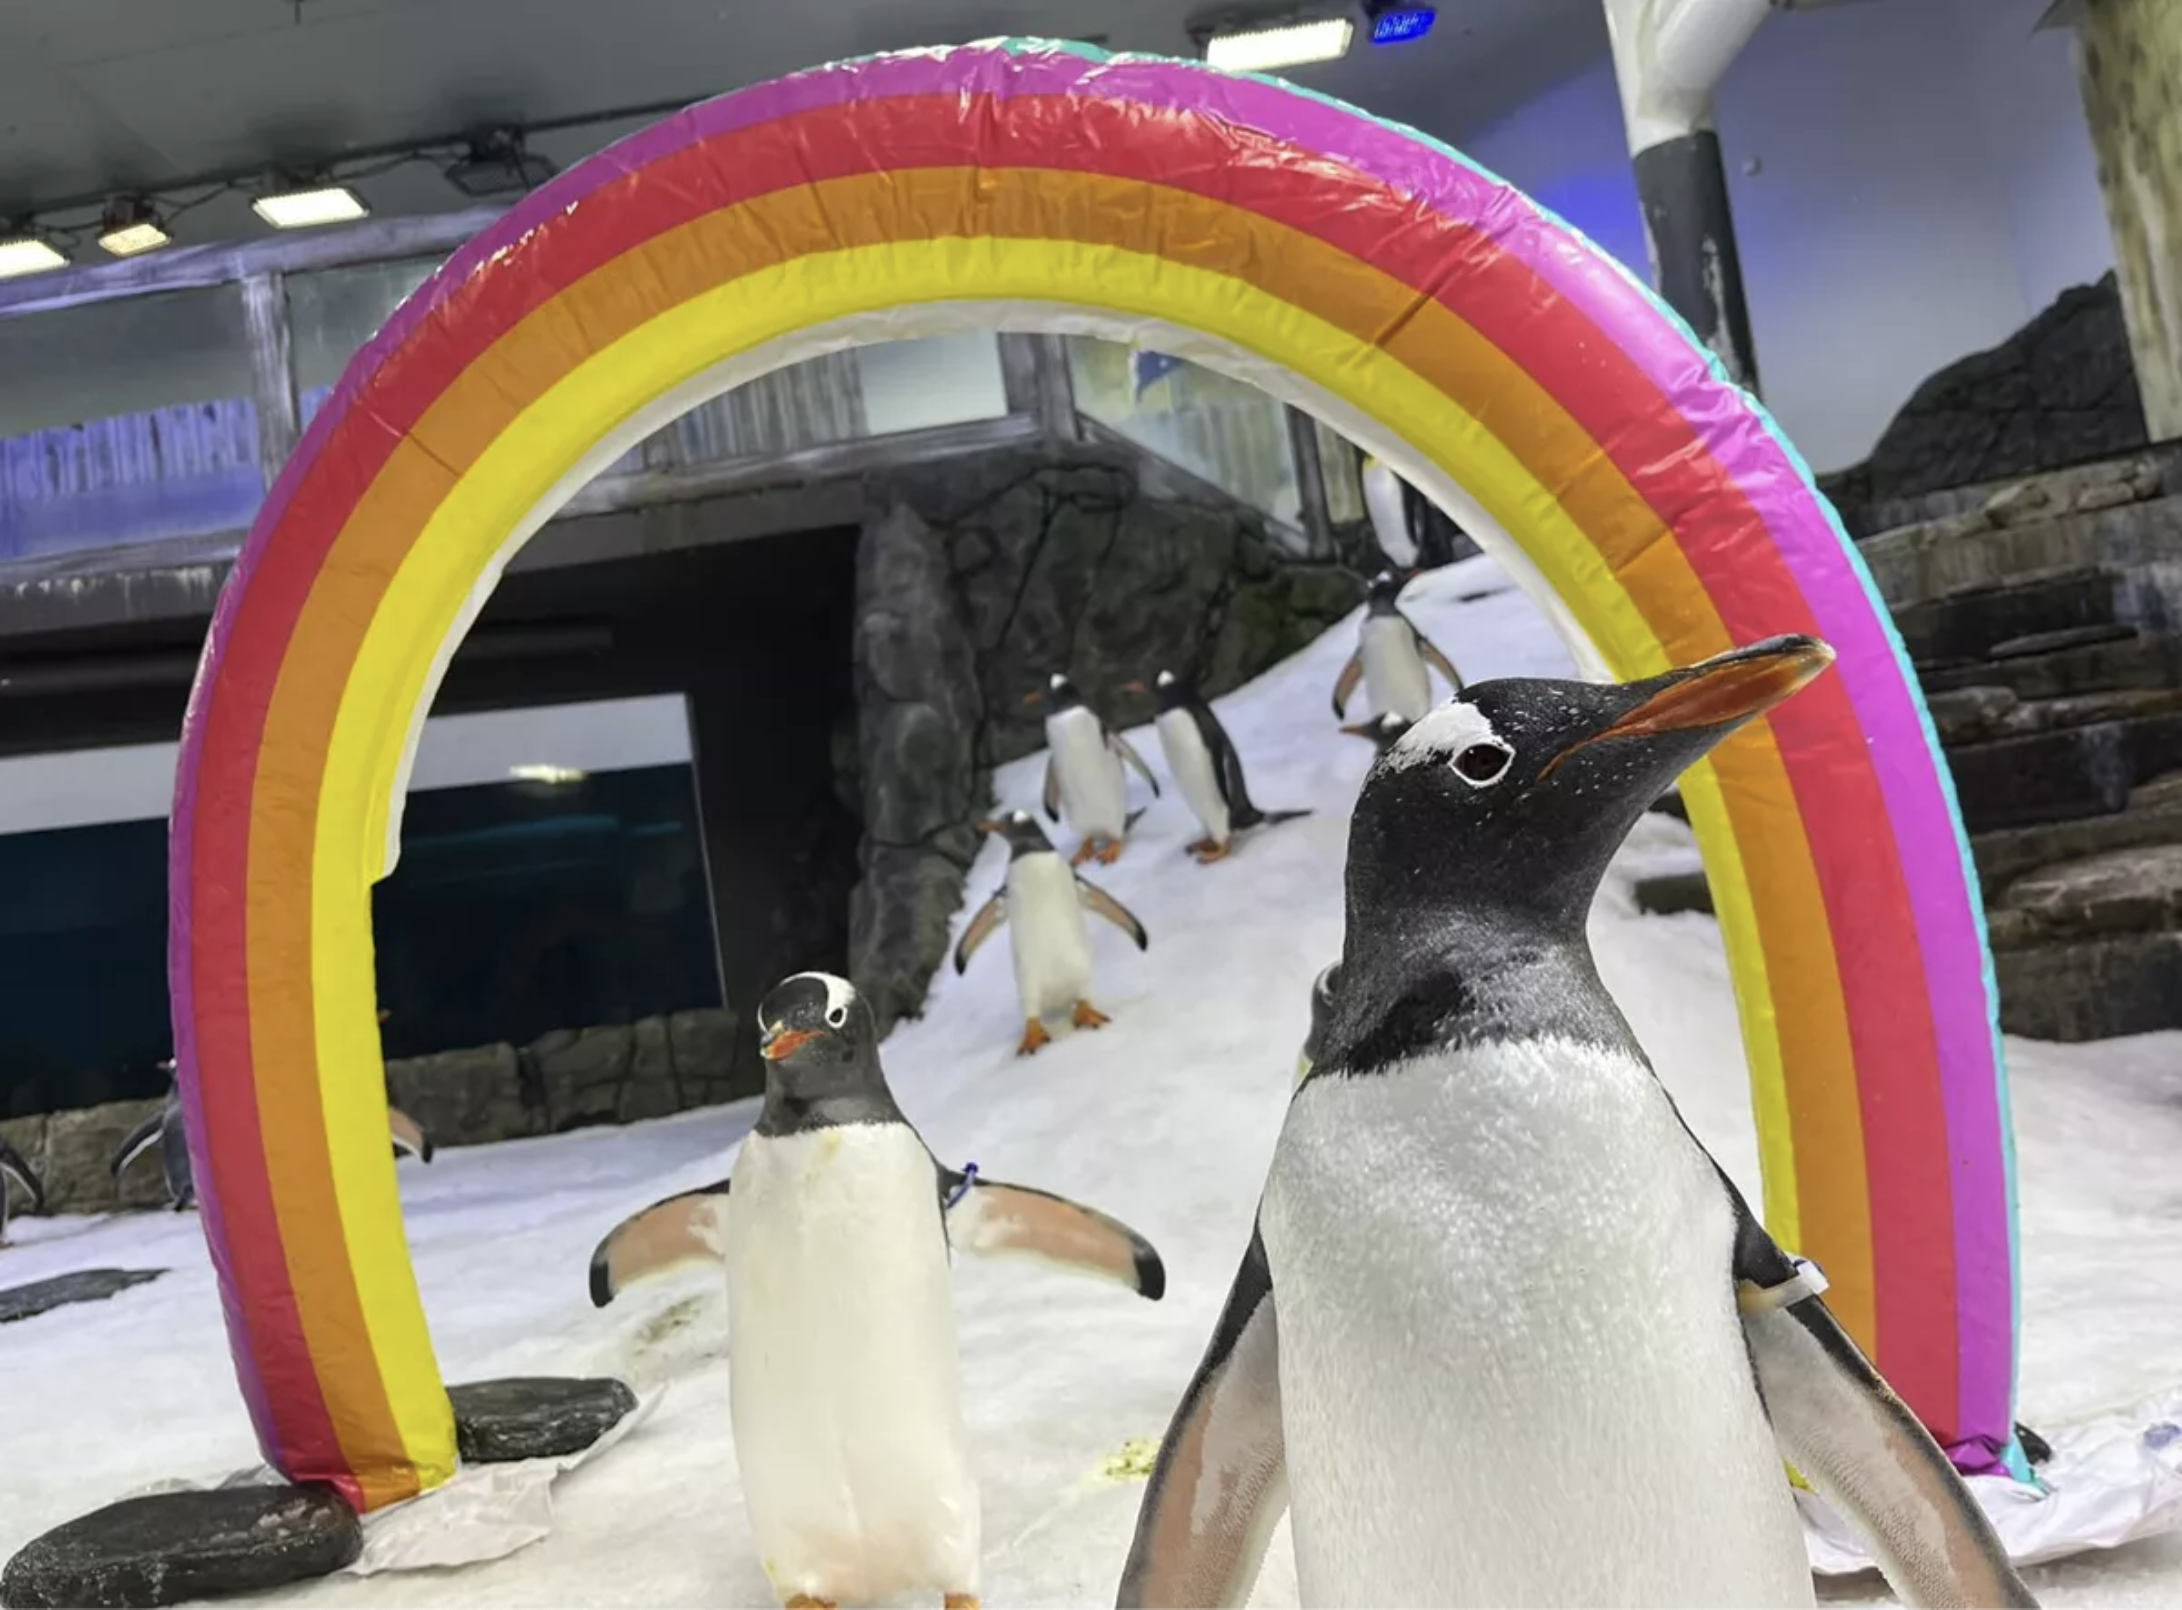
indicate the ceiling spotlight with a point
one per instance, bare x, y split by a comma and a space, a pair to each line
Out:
496, 164
308, 206
1266, 47
24, 251
131, 228
547, 774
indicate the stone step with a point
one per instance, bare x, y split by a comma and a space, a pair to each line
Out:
2059, 488
2140, 543
1974, 714
2134, 660
2094, 990
1967, 625
2004, 856
2127, 891
2057, 776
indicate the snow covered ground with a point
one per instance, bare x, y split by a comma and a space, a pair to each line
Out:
1166, 1119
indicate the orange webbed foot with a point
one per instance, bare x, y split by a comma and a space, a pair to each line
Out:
1090, 1017
1034, 1037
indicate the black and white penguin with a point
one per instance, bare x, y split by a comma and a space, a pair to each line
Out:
1203, 762
1084, 777
1386, 501
167, 1130
1042, 900
1382, 729
835, 1229
1392, 657
17, 1179
1505, 1333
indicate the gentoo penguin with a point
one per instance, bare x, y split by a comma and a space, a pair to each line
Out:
1505, 1333
1391, 658
1202, 760
1386, 500
1084, 776
1382, 729
1042, 900
17, 1178
844, 1392
167, 1130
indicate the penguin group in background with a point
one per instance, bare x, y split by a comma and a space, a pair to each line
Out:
1382, 729
1201, 759
1042, 901
167, 1130
1084, 776
835, 1229
17, 1178
1392, 658
1504, 1332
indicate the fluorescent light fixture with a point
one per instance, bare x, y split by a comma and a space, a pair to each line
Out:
1287, 44
307, 209
131, 228
547, 774
1399, 26
27, 254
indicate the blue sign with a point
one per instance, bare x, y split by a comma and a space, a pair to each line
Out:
1399, 27
1150, 368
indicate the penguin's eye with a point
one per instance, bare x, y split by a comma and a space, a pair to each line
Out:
1482, 765
838, 1016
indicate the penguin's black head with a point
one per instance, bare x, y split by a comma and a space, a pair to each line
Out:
1382, 729
816, 1035
1021, 830
1383, 593
1173, 691
1511, 799
1061, 693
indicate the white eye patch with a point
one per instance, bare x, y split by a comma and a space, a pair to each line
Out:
840, 994
1456, 735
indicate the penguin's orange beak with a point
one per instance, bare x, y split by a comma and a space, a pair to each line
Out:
786, 1043
1730, 687
1358, 729
1034, 698
989, 826
1134, 687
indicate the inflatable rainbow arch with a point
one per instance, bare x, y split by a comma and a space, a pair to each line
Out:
1362, 271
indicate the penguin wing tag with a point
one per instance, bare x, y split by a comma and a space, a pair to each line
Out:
1344, 689
683, 1229
1127, 751
1053, 791
1855, 1442
1438, 661
1221, 1481
996, 1220
982, 927
1097, 899
140, 1139
409, 1135
13, 1166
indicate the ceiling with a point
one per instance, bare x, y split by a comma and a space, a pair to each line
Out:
101, 96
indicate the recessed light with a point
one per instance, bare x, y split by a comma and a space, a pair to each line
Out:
131, 228
27, 254
1287, 44
547, 774
307, 209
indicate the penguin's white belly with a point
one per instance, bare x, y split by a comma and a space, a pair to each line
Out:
1191, 763
1394, 672
845, 1387
1510, 1364
1389, 514
1047, 937
1094, 793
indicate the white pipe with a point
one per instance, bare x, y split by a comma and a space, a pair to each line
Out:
1670, 55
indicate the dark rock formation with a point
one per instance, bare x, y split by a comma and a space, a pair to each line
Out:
542, 1417
170, 1548
72, 1151
79, 1286
2060, 390
978, 582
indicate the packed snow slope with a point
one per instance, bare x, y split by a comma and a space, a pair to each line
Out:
1166, 1119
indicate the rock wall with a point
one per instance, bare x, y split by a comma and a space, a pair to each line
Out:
978, 581
2060, 391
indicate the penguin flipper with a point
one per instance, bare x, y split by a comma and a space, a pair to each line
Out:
994, 1219
1127, 751
1097, 899
1053, 791
982, 927
14, 1168
1351, 674
683, 1229
140, 1140
1438, 661
1840, 1424
1216, 1494
409, 1135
